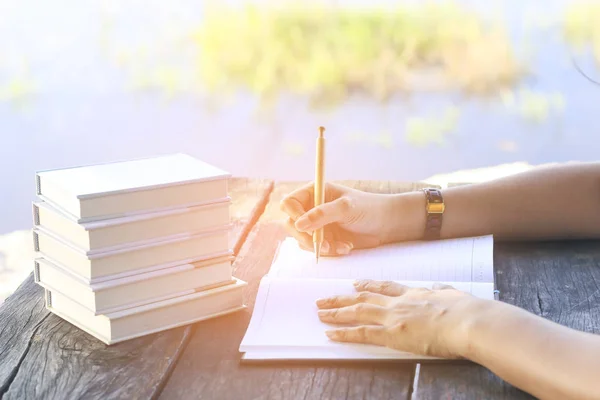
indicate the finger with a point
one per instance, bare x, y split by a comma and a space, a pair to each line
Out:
366, 334
388, 288
325, 248
361, 313
342, 248
334, 211
328, 248
441, 286
292, 207
304, 239
298, 202
352, 299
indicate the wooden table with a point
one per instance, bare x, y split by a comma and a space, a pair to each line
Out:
42, 356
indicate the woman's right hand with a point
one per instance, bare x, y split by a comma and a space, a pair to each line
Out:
353, 219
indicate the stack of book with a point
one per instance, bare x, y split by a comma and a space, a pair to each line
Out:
129, 248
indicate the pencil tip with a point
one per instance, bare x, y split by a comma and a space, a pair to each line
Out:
321, 131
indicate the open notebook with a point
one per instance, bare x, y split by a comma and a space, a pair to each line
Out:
285, 325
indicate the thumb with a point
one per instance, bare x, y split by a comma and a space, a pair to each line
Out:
334, 211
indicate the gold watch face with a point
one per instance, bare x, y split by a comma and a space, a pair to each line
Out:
435, 208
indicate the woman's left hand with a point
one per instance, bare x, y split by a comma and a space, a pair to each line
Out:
417, 320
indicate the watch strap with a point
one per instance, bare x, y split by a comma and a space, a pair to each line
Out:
435, 211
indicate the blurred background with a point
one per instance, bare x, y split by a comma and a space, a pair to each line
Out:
408, 90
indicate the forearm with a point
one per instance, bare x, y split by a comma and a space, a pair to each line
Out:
543, 358
557, 202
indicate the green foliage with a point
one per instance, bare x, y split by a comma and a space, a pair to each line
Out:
582, 24
582, 27
419, 131
424, 131
327, 54
534, 106
17, 91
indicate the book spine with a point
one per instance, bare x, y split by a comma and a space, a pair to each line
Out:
36, 271
48, 298
36, 215
38, 185
36, 242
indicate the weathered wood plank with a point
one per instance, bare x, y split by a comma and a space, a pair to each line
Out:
20, 317
249, 197
42, 356
210, 366
62, 361
559, 281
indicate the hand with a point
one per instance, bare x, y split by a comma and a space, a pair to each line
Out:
416, 320
354, 219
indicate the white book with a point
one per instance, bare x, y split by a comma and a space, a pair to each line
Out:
285, 324
96, 266
132, 291
114, 189
150, 318
114, 233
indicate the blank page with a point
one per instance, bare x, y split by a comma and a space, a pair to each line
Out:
455, 260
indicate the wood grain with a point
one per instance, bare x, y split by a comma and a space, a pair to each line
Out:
64, 361
43, 356
20, 317
249, 197
210, 366
556, 280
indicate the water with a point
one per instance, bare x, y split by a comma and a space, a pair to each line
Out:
83, 110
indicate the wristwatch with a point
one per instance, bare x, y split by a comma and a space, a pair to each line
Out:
435, 210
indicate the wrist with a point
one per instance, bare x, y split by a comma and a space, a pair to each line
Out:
404, 217
477, 316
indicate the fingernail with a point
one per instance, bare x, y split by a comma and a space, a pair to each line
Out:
361, 283
342, 251
324, 315
331, 334
325, 246
344, 248
302, 223
321, 302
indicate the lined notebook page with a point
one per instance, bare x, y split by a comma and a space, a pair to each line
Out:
285, 323
455, 260
285, 315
